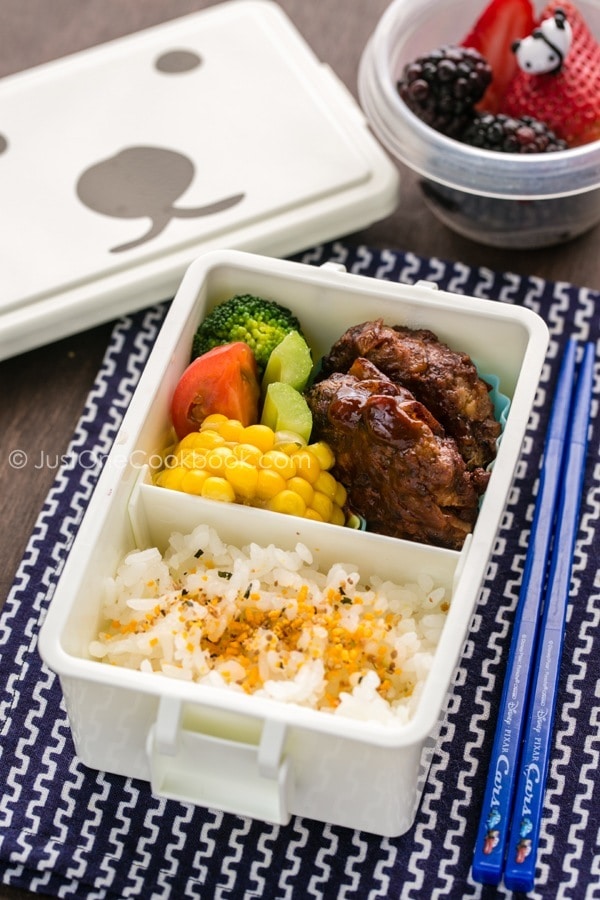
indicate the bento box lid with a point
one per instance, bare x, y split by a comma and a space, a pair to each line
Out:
121, 163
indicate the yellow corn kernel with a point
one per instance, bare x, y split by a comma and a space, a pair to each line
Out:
312, 514
286, 447
242, 477
216, 488
341, 494
280, 462
324, 454
231, 430
213, 421
260, 436
190, 442
301, 486
322, 504
307, 464
269, 483
208, 439
193, 481
337, 516
218, 459
190, 458
287, 502
248, 452
171, 478
326, 484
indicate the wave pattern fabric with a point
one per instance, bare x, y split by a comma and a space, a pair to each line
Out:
67, 831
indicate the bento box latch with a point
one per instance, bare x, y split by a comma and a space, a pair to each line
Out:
245, 778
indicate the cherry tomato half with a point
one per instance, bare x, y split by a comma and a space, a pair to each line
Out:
224, 380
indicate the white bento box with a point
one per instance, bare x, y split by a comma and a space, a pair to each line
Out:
248, 755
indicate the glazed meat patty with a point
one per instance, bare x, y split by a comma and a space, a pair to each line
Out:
444, 381
404, 475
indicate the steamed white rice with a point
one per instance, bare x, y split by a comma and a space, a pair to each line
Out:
265, 622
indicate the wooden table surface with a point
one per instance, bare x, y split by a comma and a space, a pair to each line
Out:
42, 392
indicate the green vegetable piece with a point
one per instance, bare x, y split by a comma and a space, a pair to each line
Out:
260, 323
290, 362
285, 409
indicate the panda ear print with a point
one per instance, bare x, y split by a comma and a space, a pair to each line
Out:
560, 17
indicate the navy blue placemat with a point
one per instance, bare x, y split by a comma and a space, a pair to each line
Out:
71, 832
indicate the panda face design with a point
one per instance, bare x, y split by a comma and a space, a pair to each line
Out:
545, 49
535, 56
146, 181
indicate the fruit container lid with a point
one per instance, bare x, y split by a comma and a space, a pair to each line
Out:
121, 163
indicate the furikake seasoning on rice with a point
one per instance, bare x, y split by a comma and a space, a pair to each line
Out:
263, 621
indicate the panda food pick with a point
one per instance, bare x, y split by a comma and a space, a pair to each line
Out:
507, 85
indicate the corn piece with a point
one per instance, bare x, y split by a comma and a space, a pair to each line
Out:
193, 481
322, 504
218, 459
324, 454
171, 478
326, 484
301, 486
269, 483
213, 421
312, 514
190, 458
243, 478
286, 447
337, 516
260, 436
208, 439
307, 464
341, 495
231, 431
248, 452
216, 488
280, 462
190, 442
287, 502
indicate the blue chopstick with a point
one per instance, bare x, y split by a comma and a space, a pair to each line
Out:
519, 872
492, 835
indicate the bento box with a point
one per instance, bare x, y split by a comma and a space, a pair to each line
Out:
247, 753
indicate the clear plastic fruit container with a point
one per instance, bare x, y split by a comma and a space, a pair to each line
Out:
500, 199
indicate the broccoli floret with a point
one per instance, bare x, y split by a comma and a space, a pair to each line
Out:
262, 324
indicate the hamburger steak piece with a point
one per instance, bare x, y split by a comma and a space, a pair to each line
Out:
404, 475
444, 381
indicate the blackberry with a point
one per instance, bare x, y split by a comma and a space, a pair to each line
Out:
509, 135
442, 87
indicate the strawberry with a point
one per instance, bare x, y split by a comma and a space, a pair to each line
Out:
501, 23
568, 101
